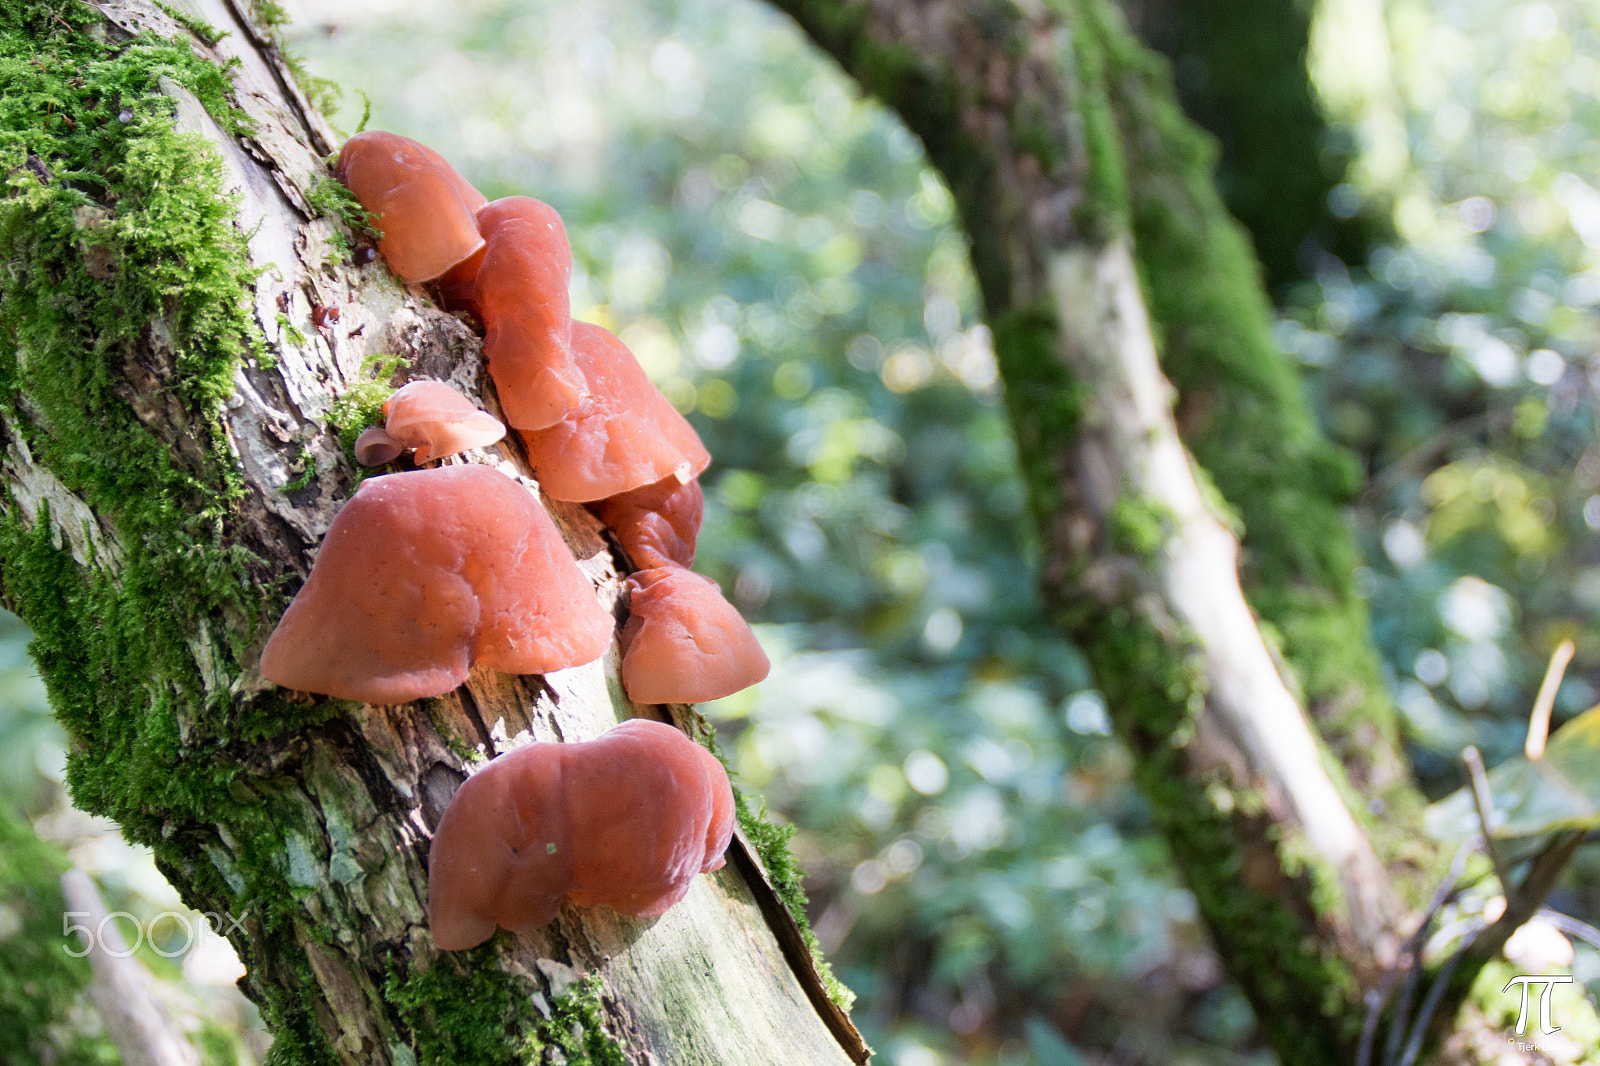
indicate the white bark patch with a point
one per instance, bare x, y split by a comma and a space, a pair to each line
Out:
72, 522
1132, 451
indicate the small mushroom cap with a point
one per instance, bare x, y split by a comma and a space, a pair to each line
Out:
425, 209
374, 447
423, 574
625, 820
622, 436
684, 643
520, 291
656, 524
436, 420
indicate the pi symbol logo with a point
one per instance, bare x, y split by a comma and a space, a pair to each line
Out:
1545, 983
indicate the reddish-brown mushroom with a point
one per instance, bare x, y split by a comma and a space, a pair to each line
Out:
684, 643
374, 447
436, 420
425, 209
521, 293
456, 285
626, 820
622, 436
423, 574
656, 524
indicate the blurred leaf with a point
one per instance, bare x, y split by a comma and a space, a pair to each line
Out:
1532, 797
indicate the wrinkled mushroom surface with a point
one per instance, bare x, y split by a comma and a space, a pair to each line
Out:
656, 524
423, 574
425, 209
625, 820
520, 292
622, 436
684, 643
436, 420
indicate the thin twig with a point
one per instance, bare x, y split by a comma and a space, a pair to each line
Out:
1378, 999
1569, 925
1419, 1028
1483, 799
1544, 703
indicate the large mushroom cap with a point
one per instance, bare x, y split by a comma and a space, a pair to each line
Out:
425, 209
651, 809
684, 643
625, 820
502, 853
436, 420
656, 524
623, 435
520, 291
423, 574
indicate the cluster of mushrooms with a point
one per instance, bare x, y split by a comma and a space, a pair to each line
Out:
425, 573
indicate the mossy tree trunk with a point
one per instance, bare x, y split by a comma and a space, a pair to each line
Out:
178, 316
1189, 508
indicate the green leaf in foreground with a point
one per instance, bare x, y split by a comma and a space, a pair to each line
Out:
1534, 796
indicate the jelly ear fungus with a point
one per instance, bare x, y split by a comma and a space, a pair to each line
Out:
421, 575
626, 821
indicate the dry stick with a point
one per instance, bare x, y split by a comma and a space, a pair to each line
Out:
135, 1022
1539, 721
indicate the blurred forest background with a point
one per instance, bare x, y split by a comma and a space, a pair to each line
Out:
777, 254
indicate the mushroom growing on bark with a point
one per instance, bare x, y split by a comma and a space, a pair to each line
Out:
684, 643
424, 208
520, 291
623, 435
625, 820
374, 447
656, 524
423, 574
436, 420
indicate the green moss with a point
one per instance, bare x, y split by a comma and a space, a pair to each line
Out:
126, 288
202, 29
1140, 526
329, 198
1025, 345
1243, 414
361, 405
1299, 988
463, 1011
771, 842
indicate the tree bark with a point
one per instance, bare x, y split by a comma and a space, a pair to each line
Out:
180, 315
1100, 246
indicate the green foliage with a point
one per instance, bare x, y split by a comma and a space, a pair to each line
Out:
41, 984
